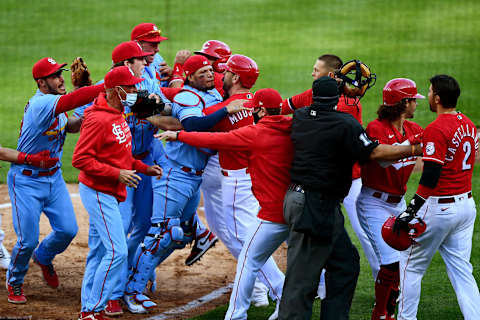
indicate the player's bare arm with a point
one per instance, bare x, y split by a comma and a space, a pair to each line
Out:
74, 124
165, 122
390, 152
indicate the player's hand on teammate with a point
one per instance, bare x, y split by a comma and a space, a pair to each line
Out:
237, 106
167, 135
416, 138
155, 171
129, 177
182, 56
165, 71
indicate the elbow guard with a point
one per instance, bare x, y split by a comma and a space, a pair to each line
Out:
431, 174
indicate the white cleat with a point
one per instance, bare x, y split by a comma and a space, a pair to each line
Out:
132, 305
274, 315
260, 295
4, 257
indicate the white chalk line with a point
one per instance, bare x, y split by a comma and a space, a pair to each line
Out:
193, 304
182, 309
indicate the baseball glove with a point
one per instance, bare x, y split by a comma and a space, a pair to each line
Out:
145, 106
80, 74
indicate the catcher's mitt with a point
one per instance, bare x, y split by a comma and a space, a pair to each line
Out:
145, 106
356, 79
80, 74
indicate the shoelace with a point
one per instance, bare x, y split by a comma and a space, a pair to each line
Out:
17, 290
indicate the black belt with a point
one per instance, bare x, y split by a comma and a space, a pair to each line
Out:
451, 199
296, 187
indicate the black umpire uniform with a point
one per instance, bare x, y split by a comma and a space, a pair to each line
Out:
327, 143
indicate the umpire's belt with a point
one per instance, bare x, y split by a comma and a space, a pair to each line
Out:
452, 199
34, 173
192, 171
296, 187
235, 173
142, 155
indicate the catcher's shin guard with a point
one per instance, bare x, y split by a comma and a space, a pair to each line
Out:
386, 286
157, 246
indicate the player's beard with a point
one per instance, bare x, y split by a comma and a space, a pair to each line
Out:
53, 90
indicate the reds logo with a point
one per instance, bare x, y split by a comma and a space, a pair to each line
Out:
430, 148
119, 133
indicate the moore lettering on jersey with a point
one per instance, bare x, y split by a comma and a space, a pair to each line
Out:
236, 117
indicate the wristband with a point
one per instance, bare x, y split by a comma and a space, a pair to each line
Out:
413, 150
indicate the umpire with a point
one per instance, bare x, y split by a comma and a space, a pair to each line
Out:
326, 145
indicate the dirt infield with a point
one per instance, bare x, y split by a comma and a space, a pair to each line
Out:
177, 284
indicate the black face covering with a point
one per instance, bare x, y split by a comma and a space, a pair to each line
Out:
256, 118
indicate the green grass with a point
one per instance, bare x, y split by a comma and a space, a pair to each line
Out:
411, 38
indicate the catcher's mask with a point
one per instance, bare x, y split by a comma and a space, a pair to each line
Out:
356, 79
405, 238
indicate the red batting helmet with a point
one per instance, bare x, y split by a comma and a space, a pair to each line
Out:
215, 49
404, 239
397, 89
245, 68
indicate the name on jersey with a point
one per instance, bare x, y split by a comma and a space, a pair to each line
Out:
121, 132
461, 133
236, 117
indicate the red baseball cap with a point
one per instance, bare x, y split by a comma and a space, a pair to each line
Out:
147, 32
193, 63
128, 50
45, 67
120, 76
266, 98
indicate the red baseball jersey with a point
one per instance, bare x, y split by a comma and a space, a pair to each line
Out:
304, 99
392, 179
232, 160
218, 82
452, 141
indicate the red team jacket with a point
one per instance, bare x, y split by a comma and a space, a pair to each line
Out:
232, 160
105, 147
304, 99
451, 140
270, 158
392, 179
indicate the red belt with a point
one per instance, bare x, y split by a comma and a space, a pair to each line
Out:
192, 171
451, 199
142, 155
40, 173
390, 199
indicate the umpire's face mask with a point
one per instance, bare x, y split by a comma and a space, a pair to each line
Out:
130, 98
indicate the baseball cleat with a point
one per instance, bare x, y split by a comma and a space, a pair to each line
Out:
15, 294
113, 308
260, 295
48, 272
145, 301
87, 316
4, 257
204, 242
132, 305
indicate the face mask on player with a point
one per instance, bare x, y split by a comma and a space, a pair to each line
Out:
130, 98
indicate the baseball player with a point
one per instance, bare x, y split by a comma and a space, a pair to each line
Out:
103, 155
269, 151
149, 37
42, 160
176, 195
326, 65
383, 186
444, 201
33, 191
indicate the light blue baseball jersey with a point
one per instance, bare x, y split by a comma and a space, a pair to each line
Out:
80, 110
41, 129
155, 68
186, 104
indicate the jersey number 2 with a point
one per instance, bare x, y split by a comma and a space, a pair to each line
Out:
467, 148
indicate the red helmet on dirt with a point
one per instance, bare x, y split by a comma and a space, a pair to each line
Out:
400, 88
215, 49
404, 239
245, 68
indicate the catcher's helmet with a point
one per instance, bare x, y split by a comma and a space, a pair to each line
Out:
245, 68
356, 79
215, 49
405, 238
400, 88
